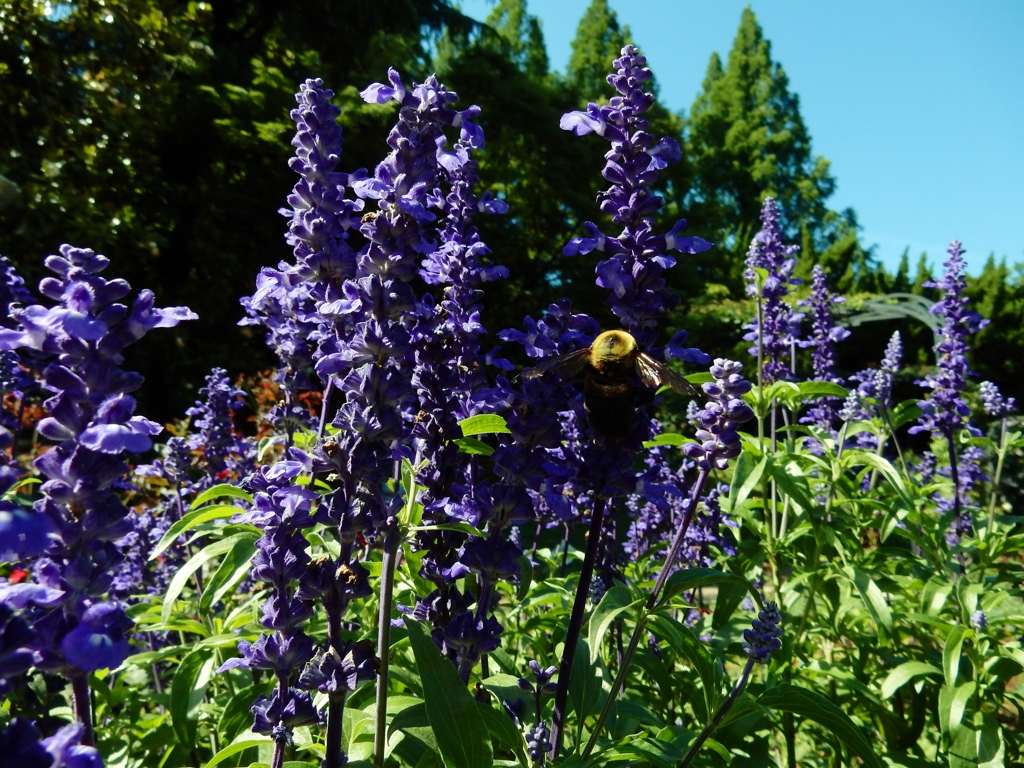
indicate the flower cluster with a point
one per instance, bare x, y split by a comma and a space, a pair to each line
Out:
633, 271
825, 334
945, 411
994, 403
720, 418
763, 636
777, 327
79, 517
224, 453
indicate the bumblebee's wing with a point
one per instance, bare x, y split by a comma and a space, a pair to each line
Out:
653, 374
565, 366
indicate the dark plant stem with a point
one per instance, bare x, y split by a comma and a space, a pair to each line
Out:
719, 715
280, 741
789, 731
387, 594
634, 641
572, 636
336, 703
83, 705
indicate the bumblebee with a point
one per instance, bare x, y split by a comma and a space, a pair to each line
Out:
617, 378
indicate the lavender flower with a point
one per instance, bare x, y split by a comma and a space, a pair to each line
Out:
90, 414
21, 746
224, 451
778, 327
723, 413
763, 636
883, 379
825, 334
979, 620
637, 257
288, 299
281, 509
945, 412
994, 403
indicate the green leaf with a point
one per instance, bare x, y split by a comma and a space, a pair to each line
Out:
504, 731
874, 601
895, 478
903, 674
613, 603
821, 388
232, 570
793, 483
726, 602
746, 477
459, 527
685, 644
239, 746
188, 689
585, 683
952, 704
190, 521
473, 446
691, 578
800, 701
218, 491
454, 717
525, 577
963, 753
484, 424
197, 561
951, 654
668, 438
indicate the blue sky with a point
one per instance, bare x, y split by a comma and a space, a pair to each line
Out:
919, 105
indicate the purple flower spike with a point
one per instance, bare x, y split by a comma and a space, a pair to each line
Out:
633, 273
763, 636
993, 401
780, 325
81, 341
725, 410
945, 411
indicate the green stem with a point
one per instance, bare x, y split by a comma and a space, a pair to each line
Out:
392, 542
652, 600
719, 715
1000, 456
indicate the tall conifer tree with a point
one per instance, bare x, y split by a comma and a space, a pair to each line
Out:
748, 140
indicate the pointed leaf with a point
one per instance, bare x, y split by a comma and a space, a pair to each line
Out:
188, 689
903, 674
874, 601
483, 424
691, 578
814, 706
193, 520
454, 717
613, 603
951, 654
219, 491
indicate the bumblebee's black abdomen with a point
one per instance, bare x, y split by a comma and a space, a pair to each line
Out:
612, 410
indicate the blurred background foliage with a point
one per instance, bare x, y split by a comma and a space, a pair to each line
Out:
157, 132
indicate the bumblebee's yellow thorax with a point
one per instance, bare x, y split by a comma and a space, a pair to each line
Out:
613, 352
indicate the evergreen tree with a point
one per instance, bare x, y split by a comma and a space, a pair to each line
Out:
747, 140
598, 41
